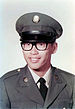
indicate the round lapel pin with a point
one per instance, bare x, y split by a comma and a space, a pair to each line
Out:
25, 79
56, 77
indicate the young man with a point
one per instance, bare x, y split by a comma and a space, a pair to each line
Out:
38, 85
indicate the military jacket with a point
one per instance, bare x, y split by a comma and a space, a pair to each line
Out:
19, 91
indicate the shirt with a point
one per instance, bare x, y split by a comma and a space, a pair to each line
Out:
46, 77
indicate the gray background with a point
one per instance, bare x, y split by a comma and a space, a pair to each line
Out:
11, 56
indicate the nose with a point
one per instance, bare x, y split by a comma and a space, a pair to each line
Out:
34, 51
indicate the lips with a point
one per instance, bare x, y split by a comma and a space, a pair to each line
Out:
34, 60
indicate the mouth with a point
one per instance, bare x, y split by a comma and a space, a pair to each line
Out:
34, 60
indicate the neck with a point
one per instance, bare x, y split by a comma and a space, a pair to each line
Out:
41, 72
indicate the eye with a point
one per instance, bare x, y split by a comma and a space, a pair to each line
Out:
41, 44
27, 43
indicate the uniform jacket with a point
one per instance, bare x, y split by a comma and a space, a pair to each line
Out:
19, 91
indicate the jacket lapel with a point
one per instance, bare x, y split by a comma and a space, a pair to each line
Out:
27, 87
57, 84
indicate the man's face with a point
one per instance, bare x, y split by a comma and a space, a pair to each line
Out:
39, 60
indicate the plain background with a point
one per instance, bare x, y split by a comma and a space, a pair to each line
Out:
11, 56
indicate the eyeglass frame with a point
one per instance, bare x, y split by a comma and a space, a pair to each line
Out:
34, 44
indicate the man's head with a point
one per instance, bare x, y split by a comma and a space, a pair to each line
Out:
38, 33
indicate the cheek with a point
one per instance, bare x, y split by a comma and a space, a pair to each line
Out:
46, 56
25, 55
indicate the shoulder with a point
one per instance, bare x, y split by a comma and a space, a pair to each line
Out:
13, 73
65, 74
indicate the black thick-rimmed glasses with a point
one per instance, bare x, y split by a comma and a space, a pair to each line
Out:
41, 46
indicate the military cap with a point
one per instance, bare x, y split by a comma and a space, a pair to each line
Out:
37, 27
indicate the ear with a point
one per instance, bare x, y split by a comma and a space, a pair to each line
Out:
54, 47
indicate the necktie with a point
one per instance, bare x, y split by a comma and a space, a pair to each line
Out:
43, 88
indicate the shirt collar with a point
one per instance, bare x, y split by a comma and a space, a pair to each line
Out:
46, 76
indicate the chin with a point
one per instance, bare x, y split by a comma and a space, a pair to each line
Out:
34, 67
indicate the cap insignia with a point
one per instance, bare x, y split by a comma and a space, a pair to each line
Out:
36, 19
